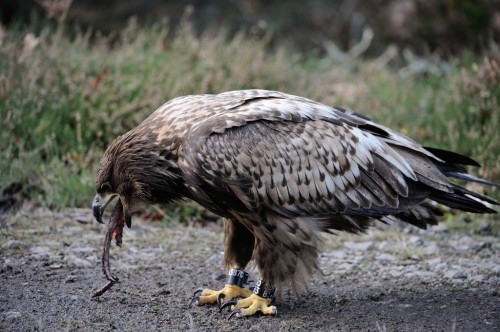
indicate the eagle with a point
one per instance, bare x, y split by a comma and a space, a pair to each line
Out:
281, 170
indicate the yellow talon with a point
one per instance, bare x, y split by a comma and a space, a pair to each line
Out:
250, 305
229, 292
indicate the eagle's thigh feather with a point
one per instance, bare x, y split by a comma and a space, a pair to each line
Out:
286, 250
238, 244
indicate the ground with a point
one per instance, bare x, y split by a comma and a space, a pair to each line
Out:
391, 279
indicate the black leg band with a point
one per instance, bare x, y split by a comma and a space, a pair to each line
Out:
263, 290
237, 277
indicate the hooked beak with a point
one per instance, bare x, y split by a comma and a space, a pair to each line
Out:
98, 209
128, 216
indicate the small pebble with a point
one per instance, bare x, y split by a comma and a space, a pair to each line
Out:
218, 276
12, 314
358, 246
164, 292
485, 228
441, 266
434, 261
460, 275
8, 263
77, 261
83, 249
70, 278
12, 244
339, 254
479, 247
40, 251
493, 292
417, 241
345, 266
386, 257
431, 249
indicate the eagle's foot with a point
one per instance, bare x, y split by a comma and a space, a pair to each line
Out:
229, 292
259, 301
234, 288
251, 305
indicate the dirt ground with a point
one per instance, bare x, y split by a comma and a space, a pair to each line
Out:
391, 279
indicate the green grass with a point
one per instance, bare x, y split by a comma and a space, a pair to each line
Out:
63, 99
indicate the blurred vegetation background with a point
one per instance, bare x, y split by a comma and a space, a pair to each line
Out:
76, 74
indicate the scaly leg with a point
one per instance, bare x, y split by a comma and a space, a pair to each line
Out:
238, 248
234, 288
259, 300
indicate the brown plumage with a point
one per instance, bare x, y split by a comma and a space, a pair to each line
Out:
281, 169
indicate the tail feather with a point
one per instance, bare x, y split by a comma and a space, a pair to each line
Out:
432, 184
453, 166
482, 198
440, 190
452, 157
468, 177
464, 200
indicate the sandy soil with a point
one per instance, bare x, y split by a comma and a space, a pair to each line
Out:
391, 279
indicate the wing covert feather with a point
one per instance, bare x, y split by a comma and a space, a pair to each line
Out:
294, 155
303, 168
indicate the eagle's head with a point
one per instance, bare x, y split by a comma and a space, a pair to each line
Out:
138, 171
110, 183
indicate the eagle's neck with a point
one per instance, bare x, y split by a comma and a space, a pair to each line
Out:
147, 169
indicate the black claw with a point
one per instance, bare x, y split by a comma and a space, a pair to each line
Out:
227, 304
193, 300
220, 298
235, 312
199, 290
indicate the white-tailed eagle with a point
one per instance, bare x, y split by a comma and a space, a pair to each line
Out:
280, 169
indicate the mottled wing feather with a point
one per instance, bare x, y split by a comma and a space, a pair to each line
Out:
305, 168
288, 153
200, 115
296, 157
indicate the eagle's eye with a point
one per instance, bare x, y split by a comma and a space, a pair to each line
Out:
105, 187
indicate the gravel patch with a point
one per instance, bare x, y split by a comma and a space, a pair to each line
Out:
390, 279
